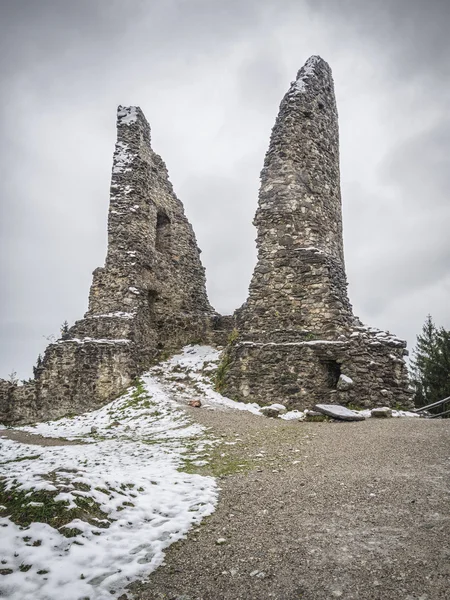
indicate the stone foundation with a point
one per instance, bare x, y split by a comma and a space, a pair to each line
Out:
363, 371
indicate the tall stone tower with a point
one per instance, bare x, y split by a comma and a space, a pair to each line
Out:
299, 284
152, 287
298, 341
150, 296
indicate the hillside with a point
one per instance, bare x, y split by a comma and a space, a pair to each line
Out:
92, 502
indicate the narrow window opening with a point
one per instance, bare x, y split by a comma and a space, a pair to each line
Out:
333, 372
163, 233
152, 297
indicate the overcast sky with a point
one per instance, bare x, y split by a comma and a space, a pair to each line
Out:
209, 75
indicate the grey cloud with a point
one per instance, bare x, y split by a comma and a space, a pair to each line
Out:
406, 245
428, 183
210, 75
411, 34
223, 209
260, 77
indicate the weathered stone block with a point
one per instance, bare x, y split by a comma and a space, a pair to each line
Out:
382, 413
336, 411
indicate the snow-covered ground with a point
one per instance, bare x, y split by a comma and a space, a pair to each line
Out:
124, 483
85, 520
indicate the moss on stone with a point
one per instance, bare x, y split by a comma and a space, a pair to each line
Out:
222, 369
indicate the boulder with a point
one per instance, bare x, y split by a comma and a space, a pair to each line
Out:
195, 403
336, 411
270, 411
382, 412
280, 407
344, 383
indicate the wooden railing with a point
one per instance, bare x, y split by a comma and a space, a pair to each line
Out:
441, 403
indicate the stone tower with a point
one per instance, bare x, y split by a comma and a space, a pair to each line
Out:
299, 284
152, 287
149, 297
298, 341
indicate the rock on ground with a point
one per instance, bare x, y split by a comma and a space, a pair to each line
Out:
383, 412
338, 412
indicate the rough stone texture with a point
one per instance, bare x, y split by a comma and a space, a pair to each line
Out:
270, 411
296, 332
383, 412
149, 297
221, 328
338, 412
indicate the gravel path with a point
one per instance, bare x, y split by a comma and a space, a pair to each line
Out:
327, 510
31, 438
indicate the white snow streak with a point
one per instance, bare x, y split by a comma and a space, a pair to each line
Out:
299, 85
118, 314
126, 115
123, 157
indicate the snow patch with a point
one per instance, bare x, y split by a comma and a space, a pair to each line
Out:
127, 115
312, 249
123, 157
118, 314
293, 415
196, 363
299, 86
88, 340
130, 463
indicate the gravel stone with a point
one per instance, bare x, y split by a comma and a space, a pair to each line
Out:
321, 532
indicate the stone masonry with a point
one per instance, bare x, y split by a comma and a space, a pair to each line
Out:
297, 340
149, 297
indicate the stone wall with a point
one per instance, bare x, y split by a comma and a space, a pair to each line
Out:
363, 371
153, 263
149, 297
296, 333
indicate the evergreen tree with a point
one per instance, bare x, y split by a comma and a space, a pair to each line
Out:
12, 378
37, 367
64, 330
430, 364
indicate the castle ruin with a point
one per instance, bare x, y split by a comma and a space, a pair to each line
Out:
296, 340
149, 298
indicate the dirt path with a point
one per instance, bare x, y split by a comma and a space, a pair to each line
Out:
327, 510
31, 438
